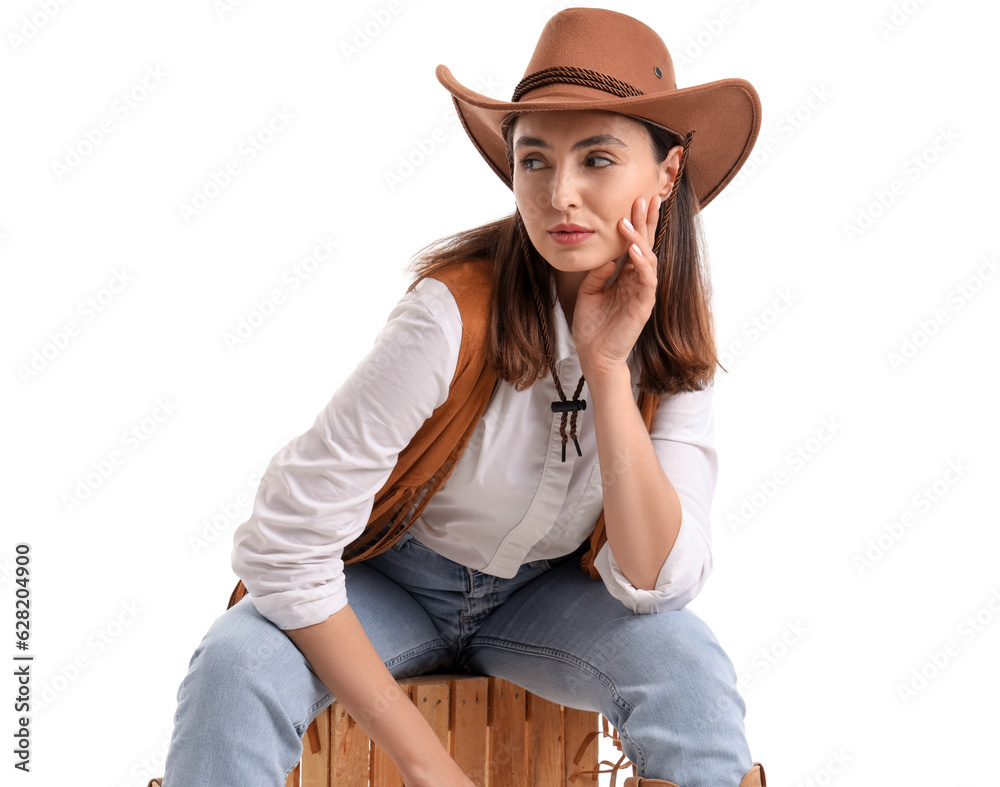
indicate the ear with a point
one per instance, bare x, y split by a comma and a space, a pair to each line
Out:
668, 169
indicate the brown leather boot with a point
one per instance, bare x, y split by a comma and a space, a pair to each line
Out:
754, 778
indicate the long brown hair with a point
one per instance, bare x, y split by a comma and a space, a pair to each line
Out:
676, 348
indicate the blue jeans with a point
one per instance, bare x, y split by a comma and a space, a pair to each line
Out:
662, 680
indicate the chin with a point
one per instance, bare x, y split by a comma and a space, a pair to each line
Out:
573, 265
578, 259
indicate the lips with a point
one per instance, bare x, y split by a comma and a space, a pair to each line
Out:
569, 228
569, 234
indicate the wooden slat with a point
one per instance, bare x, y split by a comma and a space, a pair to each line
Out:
433, 700
349, 750
384, 772
577, 725
500, 735
316, 767
545, 731
507, 714
469, 703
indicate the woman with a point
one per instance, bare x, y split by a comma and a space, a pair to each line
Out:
363, 565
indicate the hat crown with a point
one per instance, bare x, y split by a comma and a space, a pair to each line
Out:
608, 42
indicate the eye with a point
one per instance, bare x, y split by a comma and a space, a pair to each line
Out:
601, 158
527, 161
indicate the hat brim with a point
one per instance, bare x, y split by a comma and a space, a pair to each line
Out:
725, 116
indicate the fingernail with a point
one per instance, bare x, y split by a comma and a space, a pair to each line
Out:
658, 202
636, 249
629, 225
642, 204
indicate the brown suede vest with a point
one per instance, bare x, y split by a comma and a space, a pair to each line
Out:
425, 464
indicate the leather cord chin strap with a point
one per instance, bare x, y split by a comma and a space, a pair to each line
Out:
562, 405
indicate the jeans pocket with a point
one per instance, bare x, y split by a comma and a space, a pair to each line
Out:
403, 541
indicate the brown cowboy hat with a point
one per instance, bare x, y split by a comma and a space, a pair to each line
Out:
592, 58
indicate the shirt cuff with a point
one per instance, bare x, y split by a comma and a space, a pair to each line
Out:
294, 609
681, 577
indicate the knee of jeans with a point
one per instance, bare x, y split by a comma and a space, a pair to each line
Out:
242, 642
676, 645
682, 658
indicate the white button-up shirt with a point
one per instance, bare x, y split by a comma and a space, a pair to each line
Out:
510, 498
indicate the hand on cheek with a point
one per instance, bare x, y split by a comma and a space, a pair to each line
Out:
640, 230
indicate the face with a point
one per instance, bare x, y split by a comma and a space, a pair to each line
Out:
584, 168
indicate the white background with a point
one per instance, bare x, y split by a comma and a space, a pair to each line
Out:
855, 96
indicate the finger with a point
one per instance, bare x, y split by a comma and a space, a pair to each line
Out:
644, 267
639, 214
604, 272
597, 279
639, 245
636, 234
652, 219
636, 226
642, 258
639, 259
629, 230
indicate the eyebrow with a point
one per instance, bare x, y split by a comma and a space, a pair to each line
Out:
599, 139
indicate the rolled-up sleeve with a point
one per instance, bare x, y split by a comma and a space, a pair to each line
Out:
682, 434
317, 493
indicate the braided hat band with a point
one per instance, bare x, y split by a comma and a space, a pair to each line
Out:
571, 75
574, 75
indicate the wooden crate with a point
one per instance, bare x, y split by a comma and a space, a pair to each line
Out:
498, 733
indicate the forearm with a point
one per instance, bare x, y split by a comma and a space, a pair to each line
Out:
343, 657
642, 512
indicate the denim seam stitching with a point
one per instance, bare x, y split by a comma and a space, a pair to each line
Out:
432, 645
563, 656
623, 736
315, 708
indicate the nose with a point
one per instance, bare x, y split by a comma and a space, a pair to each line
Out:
565, 190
